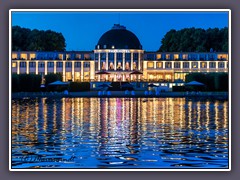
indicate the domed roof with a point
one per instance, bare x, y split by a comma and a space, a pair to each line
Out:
118, 38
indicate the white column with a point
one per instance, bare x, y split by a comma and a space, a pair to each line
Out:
27, 66
131, 61
115, 61
198, 64
207, 64
64, 71
18, 67
45, 68
106, 60
36, 67
164, 64
55, 67
139, 60
123, 61
73, 71
181, 65
99, 62
154, 65
82, 70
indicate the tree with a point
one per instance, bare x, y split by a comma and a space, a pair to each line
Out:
24, 39
49, 78
195, 40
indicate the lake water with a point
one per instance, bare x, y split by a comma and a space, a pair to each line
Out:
119, 133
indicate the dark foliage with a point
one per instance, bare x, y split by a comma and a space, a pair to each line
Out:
79, 86
195, 40
24, 39
26, 83
213, 81
51, 77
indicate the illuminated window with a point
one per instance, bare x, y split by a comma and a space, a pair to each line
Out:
184, 56
203, 65
68, 76
168, 56
32, 56
159, 64
194, 65
168, 76
14, 56
119, 65
134, 65
168, 65
159, 56
103, 66
14, 65
127, 66
150, 65
176, 56
111, 66
23, 56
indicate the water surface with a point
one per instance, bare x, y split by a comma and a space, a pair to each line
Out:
119, 133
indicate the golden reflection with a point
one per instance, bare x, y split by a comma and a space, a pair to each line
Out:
116, 124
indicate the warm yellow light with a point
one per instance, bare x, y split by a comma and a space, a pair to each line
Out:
14, 64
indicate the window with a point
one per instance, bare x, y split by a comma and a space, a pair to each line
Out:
176, 64
77, 64
119, 56
135, 56
102, 56
86, 64
50, 64
103, 66
59, 64
221, 65
111, 66
14, 56
184, 56
128, 56
68, 64
176, 56
194, 65
22, 64
159, 65
212, 65
127, 66
96, 56
111, 56
14, 65
168, 65
185, 64
41, 64
150, 65
134, 65
203, 65
119, 66
168, 56
159, 56
32, 64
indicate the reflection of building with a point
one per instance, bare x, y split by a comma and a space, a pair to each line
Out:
119, 53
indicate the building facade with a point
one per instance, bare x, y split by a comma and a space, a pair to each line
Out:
118, 56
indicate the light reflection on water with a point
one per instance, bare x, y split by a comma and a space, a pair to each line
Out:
120, 133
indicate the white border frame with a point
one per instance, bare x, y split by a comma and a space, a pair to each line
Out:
119, 10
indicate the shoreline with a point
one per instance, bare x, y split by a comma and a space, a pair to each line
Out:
120, 94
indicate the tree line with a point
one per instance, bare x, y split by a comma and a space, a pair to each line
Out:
24, 39
195, 40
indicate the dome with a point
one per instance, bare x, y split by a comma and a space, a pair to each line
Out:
118, 38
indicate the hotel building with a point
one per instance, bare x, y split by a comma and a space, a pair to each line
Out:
118, 56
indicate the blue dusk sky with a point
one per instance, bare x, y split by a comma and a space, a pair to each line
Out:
82, 30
